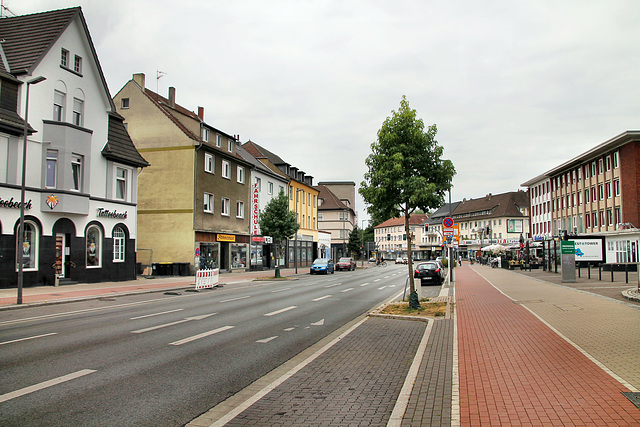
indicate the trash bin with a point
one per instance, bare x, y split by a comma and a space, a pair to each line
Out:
162, 268
183, 268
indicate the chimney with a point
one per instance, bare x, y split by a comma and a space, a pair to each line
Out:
201, 113
172, 97
139, 79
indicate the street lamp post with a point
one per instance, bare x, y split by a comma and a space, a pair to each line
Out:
23, 189
295, 240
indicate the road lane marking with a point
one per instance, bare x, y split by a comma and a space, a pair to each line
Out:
321, 298
335, 284
347, 290
273, 313
318, 323
46, 384
289, 329
156, 314
280, 290
28, 338
188, 319
266, 340
382, 288
377, 280
236, 299
365, 284
202, 335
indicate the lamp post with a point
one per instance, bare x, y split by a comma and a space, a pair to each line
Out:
295, 241
23, 188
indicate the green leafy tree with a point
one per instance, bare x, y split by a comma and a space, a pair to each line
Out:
406, 172
354, 246
278, 222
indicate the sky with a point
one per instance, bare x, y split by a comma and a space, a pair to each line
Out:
515, 87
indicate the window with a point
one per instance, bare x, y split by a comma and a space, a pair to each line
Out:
29, 247
259, 183
230, 145
321, 217
64, 58
118, 245
290, 193
208, 202
218, 141
226, 207
609, 217
240, 174
280, 189
124, 103
618, 217
616, 187
226, 169
608, 163
586, 195
121, 184
270, 187
600, 166
587, 220
239, 209
76, 172
594, 219
608, 190
586, 172
593, 168
209, 165
51, 166
205, 134
600, 192
59, 101
93, 239
77, 64
615, 160
78, 112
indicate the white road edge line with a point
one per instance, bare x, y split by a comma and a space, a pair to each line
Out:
273, 313
29, 338
156, 314
259, 395
405, 393
46, 384
202, 335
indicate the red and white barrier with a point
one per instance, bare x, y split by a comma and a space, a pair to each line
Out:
207, 278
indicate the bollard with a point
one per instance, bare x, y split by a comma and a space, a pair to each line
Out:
599, 271
611, 273
626, 273
579, 274
589, 270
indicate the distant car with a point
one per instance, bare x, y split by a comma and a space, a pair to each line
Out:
372, 259
405, 260
322, 265
398, 260
429, 273
345, 263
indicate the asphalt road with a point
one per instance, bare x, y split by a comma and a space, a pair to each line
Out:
162, 360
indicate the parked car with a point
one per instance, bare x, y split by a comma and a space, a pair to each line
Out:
322, 265
345, 263
398, 260
429, 273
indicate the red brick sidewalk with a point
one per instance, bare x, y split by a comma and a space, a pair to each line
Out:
515, 371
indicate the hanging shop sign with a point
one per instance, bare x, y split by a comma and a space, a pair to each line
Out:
255, 211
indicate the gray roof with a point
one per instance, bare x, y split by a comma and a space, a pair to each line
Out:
120, 147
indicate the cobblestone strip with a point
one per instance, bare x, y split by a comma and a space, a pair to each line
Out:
431, 399
355, 382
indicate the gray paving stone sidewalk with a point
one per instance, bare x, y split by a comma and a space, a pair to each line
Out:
354, 383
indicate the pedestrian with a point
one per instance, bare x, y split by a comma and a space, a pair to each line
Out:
460, 259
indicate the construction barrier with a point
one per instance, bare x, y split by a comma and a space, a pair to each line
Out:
207, 278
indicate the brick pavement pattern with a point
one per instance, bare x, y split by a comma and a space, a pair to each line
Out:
354, 383
516, 371
430, 401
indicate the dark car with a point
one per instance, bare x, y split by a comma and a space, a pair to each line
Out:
429, 273
346, 263
322, 265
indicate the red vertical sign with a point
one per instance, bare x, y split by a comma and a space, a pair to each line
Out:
255, 211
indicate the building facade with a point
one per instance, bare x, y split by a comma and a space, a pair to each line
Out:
81, 166
391, 237
194, 199
335, 216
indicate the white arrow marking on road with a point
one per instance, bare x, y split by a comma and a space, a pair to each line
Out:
318, 323
188, 319
36, 387
197, 337
321, 298
347, 290
273, 313
364, 284
156, 314
266, 340
28, 338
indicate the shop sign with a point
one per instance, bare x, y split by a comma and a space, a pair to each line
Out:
226, 238
255, 211
111, 214
14, 204
257, 239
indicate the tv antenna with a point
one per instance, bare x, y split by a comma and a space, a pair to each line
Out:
159, 75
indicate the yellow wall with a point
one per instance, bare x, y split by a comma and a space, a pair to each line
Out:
305, 209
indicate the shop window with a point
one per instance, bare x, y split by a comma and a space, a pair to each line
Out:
118, 244
238, 255
93, 239
29, 247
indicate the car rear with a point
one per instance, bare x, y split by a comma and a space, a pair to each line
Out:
429, 273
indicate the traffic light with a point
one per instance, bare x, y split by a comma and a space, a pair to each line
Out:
426, 228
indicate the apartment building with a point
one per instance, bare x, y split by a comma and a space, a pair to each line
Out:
391, 237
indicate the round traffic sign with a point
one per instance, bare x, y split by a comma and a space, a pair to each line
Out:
448, 222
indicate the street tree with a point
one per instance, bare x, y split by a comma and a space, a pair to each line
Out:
406, 172
354, 246
278, 222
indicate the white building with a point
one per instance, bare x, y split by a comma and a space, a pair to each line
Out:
81, 166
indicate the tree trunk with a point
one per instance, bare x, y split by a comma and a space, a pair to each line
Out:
277, 273
414, 300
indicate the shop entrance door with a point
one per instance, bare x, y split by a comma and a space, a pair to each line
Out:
60, 255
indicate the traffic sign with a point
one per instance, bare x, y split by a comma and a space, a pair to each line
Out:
447, 223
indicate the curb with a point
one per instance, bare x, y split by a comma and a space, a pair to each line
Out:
632, 294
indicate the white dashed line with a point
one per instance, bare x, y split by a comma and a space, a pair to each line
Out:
321, 298
155, 314
266, 340
236, 299
28, 338
43, 385
203, 335
273, 313
347, 290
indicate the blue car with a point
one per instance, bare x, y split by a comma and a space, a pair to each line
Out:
321, 265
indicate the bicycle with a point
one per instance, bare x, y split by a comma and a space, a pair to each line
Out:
381, 264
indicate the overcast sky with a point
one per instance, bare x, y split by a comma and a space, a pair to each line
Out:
514, 87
